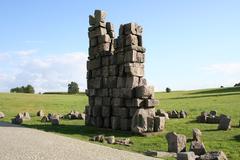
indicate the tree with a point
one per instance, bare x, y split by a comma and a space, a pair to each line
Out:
22, 89
168, 90
237, 85
73, 88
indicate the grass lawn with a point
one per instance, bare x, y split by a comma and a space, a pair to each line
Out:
226, 100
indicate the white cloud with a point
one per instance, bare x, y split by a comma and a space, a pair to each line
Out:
225, 68
26, 52
45, 73
4, 56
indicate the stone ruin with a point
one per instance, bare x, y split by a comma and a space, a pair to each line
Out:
118, 95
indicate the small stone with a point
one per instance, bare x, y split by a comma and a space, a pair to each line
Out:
55, 121
26, 116
183, 114
2, 115
110, 139
40, 113
159, 123
17, 120
45, 119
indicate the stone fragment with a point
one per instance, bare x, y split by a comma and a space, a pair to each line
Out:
182, 114
17, 120
40, 113
82, 116
176, 142
160, 154
130, 28
26, 116
186, 156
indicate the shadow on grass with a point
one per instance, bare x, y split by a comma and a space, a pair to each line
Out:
220, 90
237, 138
211, 130
83, 130
203, 96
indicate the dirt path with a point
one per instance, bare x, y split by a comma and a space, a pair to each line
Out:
20, 143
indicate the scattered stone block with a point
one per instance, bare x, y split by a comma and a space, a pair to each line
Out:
176, 142
198, 148
45, 119
186, 156
2, 115
215, 155
225, 123
159, 123
55, 121
196, 134
110, 139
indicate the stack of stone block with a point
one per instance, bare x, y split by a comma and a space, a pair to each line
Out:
116, 86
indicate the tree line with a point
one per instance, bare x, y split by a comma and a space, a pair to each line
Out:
72, 89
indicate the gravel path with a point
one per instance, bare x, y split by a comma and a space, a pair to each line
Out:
20, 143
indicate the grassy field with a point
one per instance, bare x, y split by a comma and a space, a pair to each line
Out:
226, 100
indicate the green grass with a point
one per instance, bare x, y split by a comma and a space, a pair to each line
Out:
226, 100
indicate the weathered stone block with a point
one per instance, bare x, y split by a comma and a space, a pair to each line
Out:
107, 101
100, 15
134, 56
136, 102
186, 156
105, 61
105, 71
116, 111
96, 111
96, 72
125, 124
106, 122
150, 124
176, 142
104, 48
104, 39
116, 92
132, 82
134, 69
121, 82
124, 112
127, 92
151, 102
97, 32
120, 58
106, 111
98, 101
130, 28
198, 148
93, 42
99, 122
117, 102
115, 122
113, 70
144, 91
112, 82
225, 123
109, 26
131, 40
93, 64
159, 123
102, 92
196, 134
91, 92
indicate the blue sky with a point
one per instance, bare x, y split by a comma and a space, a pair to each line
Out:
190, 44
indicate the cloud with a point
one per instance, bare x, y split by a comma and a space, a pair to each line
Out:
225, 68
4, 56
46, 73
26, 52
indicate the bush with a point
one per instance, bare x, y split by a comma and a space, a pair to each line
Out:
73, 88
168, 90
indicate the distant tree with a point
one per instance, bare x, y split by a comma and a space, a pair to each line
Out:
237, 85
168, 90
221, 86
73, 88
22, 89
